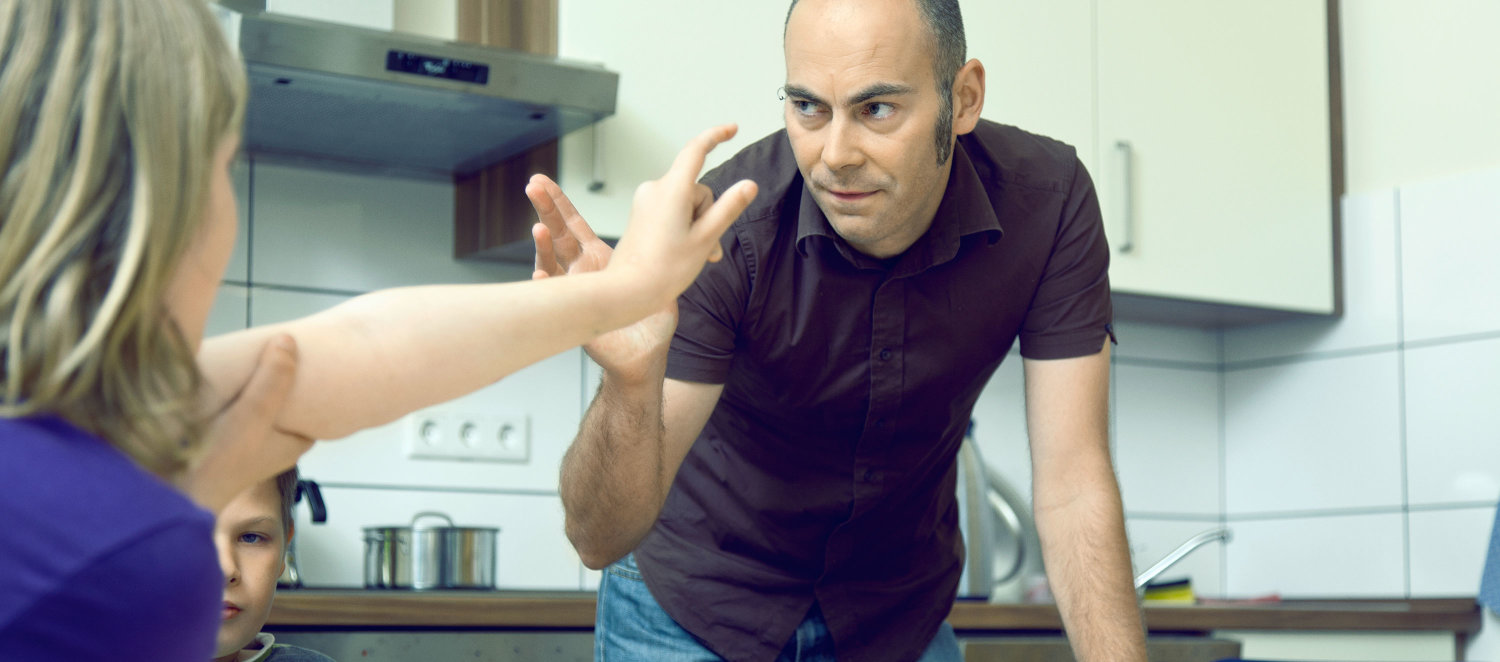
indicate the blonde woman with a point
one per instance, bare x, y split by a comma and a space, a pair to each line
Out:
118, 123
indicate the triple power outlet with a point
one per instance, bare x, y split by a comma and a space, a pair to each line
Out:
446, 434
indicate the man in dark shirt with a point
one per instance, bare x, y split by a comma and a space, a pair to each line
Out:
783, 469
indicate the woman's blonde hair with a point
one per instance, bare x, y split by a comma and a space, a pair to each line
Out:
110, 114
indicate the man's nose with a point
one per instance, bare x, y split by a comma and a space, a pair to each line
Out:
842, 148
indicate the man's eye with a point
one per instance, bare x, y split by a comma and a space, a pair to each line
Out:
804, 107
880, 111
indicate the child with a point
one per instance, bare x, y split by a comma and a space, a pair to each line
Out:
252, 534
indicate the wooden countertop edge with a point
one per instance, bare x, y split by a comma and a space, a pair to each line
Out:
456, 609
1458, 615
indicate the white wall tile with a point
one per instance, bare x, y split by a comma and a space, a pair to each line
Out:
545, 391
229, 311
1317, 557
239, 260
1370, 319
1448, 549
533, 551
1167, 439
1172, 343
341, 231
1314, 434
1000, 425
1152, 540
1453, 422
1449, 230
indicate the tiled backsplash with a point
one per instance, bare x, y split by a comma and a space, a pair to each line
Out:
1352, 457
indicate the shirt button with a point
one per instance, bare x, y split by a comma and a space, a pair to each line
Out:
885, 354
869, 475
880, 423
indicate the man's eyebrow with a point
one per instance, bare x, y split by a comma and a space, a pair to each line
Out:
874, 91
879, 90
798, 92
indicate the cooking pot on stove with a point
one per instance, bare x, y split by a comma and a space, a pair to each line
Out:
424, 556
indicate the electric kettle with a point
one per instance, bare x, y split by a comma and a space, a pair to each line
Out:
1003, 554
290, 576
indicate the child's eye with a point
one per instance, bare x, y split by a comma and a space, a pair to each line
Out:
253, 538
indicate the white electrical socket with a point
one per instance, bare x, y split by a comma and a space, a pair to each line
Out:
445, 434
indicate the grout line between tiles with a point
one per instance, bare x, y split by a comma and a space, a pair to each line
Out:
1201, 366
1449, 340
1207, 518
1401, 424
1452, 505
1400, 345
299, 289
1223, 463
1323, 355
249, 233
1315, 513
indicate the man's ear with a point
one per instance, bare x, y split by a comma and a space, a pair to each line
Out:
968, 97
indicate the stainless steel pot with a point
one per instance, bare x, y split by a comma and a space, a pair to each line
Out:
424, 557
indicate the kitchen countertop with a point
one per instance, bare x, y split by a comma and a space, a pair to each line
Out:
529, 610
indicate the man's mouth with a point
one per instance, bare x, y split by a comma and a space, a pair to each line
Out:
850, 196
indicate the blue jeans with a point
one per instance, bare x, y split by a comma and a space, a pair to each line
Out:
630, 626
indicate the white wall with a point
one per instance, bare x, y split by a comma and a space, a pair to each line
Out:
1421, 91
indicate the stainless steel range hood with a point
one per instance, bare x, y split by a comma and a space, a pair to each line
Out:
399, 102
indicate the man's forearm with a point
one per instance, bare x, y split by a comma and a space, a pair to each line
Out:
1088, 568
613, 476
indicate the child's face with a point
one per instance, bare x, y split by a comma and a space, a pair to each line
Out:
252, 550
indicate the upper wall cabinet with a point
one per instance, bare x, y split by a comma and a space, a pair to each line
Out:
1206, 126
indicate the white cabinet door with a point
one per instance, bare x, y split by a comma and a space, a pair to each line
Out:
1221, 109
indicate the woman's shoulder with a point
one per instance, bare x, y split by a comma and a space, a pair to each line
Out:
75, 505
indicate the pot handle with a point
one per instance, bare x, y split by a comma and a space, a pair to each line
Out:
430, 513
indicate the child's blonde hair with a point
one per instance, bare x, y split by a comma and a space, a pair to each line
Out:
110, 114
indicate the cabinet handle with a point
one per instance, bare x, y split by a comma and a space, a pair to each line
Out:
1127, 158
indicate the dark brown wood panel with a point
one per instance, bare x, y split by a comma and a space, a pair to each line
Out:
490, 209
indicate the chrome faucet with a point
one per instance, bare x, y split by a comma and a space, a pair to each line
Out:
1182, 550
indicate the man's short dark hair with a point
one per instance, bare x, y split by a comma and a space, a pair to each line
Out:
945, 26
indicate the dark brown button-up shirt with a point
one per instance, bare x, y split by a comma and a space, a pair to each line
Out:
826, 471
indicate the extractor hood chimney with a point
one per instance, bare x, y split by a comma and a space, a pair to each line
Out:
389, 101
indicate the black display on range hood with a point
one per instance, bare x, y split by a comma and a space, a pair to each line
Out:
331, 91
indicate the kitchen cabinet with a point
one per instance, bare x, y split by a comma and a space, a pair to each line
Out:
1206, 126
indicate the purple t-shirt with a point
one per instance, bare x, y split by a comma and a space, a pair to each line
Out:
101, 559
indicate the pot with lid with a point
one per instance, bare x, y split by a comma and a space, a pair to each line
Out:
424, 556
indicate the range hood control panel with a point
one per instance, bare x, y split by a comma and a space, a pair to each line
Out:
437, 67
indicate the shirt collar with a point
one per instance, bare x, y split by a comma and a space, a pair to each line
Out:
965, 210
